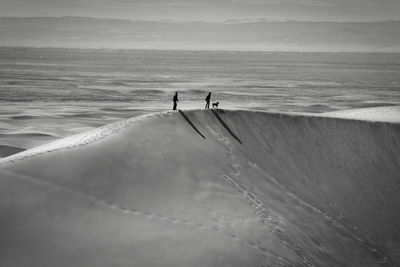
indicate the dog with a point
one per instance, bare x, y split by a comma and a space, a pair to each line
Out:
215, 105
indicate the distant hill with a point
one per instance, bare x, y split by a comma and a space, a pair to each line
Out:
81, 32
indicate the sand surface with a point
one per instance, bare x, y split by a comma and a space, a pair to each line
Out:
206, 188
383, 114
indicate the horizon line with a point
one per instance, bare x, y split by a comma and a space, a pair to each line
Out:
202, 50
232, 21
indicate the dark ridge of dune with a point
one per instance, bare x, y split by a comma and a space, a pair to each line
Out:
14, 135
262, 86
207, 188
147, 91
195, 91
82, 115
373, 105
24, 117
123, 109
318, 108
6, 151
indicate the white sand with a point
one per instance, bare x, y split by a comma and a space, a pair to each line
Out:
383, 114
233, 188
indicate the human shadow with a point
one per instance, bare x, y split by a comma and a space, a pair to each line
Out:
215, 112
191, 124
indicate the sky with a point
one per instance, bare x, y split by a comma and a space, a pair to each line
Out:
208, 10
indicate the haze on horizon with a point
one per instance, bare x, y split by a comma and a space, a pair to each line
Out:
208, 10
261, 25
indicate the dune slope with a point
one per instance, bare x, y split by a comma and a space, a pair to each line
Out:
207, 188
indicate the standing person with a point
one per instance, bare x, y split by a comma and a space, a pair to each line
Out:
175, 99
208, 99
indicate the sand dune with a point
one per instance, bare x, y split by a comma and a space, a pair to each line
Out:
207, 188
6, 151
383, 114
13, 135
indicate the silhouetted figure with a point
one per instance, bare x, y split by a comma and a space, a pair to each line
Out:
208, 99
175, 99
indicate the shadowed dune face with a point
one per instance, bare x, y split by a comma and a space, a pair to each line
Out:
207, 188
6, 151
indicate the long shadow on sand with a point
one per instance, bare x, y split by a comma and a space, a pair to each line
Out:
215, 112
191, 124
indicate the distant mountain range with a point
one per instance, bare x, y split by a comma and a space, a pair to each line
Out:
262, 35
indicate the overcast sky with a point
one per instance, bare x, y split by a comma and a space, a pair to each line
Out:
208, 10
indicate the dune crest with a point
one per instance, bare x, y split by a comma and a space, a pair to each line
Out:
382, 114
207, 188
